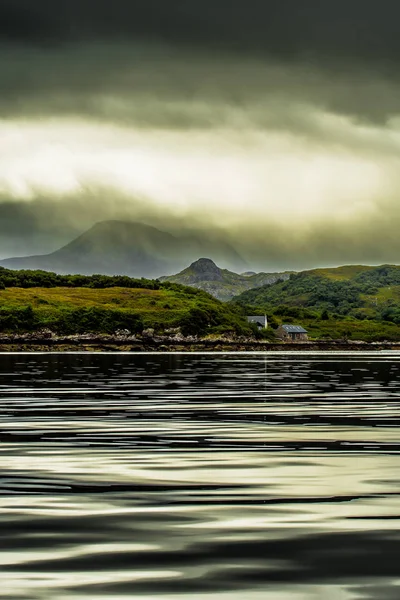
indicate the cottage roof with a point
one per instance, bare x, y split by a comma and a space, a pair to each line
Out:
257, 319
294, 329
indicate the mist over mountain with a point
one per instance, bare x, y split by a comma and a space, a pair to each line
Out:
136, 249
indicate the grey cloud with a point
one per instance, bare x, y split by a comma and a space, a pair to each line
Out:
253, 68
370, 239
386, 590
327, 31
160, 86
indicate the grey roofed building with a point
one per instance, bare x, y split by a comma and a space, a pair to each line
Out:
260, 321
293, 333
294, 329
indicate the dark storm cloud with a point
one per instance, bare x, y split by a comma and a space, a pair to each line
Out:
23, 22
64, 57
360, 29
153, 85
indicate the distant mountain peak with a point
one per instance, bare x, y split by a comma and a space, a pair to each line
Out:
221, 283
205, 269
204, 262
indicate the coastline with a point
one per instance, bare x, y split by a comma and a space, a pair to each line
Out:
108, 343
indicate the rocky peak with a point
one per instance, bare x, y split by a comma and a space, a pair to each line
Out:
205, 269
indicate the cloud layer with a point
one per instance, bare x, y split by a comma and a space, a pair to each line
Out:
219, 116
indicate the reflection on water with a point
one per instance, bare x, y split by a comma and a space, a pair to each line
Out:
200, 476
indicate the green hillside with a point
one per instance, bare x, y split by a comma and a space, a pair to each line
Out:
356, 302
33, 300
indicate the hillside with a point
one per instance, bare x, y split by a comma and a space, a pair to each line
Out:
358, 302
204, 274
127, 248
33, 300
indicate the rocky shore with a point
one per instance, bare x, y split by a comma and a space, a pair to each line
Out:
148, 342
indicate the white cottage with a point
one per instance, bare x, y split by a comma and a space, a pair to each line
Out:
260, 321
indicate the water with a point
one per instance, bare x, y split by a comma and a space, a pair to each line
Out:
227, 477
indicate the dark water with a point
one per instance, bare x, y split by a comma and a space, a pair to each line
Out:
200, 476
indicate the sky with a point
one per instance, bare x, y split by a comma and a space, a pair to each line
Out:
271, 123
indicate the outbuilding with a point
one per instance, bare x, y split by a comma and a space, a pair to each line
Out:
292, 333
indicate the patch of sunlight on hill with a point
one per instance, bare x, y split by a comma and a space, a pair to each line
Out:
341, 273
83, 297
156, 307
388, 293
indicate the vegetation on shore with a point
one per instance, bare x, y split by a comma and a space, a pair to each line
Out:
351, 302
66, 304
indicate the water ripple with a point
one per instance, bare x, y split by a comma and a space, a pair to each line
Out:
212, 476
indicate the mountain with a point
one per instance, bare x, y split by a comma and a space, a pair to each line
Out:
127, 248
221, 283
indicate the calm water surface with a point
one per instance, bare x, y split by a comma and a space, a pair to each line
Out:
260, 477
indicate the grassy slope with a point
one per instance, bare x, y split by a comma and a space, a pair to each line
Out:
369, 331
341, 273
154, 306
158, 309
298, 290
354, 298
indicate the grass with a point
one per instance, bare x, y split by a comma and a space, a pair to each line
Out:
68, 309
341, 273
80, 297
388, 293
368, 331
170, 307
156, 307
